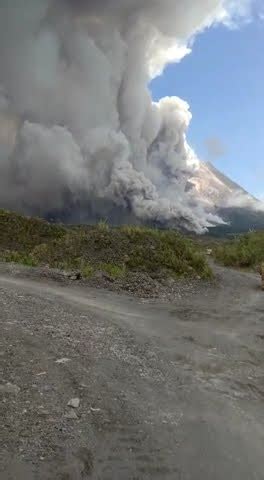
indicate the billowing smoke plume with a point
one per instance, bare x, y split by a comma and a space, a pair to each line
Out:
78, 129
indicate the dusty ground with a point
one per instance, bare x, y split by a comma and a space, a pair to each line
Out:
166, 391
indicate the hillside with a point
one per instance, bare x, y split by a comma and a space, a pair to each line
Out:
239, 220
132, 256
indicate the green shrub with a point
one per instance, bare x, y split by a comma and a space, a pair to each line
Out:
39, 253
115, 271
87, 271
244, 251
17, 257
103, 226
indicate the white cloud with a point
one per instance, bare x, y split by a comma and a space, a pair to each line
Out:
164, 56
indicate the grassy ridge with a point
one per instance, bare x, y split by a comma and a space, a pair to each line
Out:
116, 251
21, 233
245, 251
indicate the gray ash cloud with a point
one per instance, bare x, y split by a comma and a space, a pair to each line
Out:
78, 129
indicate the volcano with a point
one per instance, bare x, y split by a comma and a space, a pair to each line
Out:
239, 209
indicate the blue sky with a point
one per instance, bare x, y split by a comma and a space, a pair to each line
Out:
223, 81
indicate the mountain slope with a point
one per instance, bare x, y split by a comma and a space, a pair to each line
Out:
240, 210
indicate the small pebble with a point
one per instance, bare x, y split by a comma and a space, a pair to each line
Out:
74, 403
43, 413
63, 360
71, 415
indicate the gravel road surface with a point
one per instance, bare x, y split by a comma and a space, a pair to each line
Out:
96, 385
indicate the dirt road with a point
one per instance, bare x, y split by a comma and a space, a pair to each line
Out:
166, 391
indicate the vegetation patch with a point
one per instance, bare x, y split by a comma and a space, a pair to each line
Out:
115, 251
114, 271
87, 271
20, 233
18, 257
245, 251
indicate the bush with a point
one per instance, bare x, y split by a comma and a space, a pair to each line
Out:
87, 271
243, 251
17, 257
115, 271
103, 226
